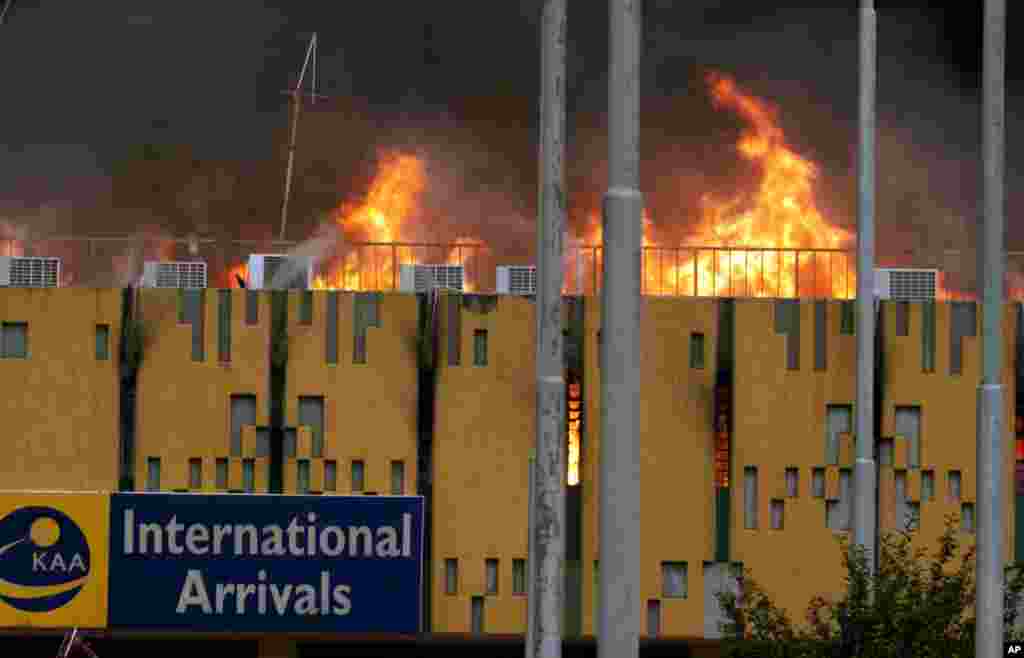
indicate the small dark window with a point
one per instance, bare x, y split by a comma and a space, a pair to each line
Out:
519, 576
222, 474
302, 480
330, 475
480, 347
102, 342
195, 474
14, 340
153, 474
306, 307
397, 478
491, 572
249, 475
224, 326
451, 576
848, 324
358, 476
697, 351
252, 307
967, 517
818, 482
673, 580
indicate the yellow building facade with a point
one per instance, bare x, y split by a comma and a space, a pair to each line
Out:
336, 391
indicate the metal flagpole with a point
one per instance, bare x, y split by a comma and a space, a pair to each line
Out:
991, 421
619, 490
547, 562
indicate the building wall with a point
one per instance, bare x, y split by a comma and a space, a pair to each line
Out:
60, 404
948, 408
483, 435
370, 408
779, 423
183, 405
676, 407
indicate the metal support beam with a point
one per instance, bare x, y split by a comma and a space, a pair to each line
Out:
864, 512
991, 419
619, 494
547, 562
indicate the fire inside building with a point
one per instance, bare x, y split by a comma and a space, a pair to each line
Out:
401, 375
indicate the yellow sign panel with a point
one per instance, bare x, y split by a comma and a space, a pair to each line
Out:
54, 559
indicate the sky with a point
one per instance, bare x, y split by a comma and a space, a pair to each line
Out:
86, 82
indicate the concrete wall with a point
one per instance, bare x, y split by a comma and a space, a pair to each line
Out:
60, 404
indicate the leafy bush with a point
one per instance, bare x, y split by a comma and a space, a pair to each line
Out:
913, 606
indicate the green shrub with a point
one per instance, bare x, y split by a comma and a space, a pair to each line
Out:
915, 605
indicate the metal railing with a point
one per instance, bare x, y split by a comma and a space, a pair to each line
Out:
691, 271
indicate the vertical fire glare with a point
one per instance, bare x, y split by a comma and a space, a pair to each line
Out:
722, 414
575, 409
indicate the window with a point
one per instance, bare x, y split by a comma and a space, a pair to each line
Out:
792, 482
908, 425
103, 342
249, 475
302, 479
518, 576
848, 318
818, 482
480, 347
673, 580
397, 478
778, 510
491, 569
697, 351
451, 576
330, 475
954, 487
838, 420
913, 515
252, 307
845, 498
311, 414
153, 474
477, 614
750, 497
653, 617
832, 520
306, 307
967, 517
224, 326
358, 476
222, 474
927, 485
195, 474
243, 412
14, 340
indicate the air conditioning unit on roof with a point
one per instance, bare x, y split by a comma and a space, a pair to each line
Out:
517, 280
907, 285
29, 272
177, 274
280, 272
421, 278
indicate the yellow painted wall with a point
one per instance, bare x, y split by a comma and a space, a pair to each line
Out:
676, 406
779, 418
60, 405
370, 409
184, 406
484, 432
948, 418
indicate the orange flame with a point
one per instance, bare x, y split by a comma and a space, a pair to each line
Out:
575, 419
779, 214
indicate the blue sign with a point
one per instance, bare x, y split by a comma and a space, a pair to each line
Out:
266, 563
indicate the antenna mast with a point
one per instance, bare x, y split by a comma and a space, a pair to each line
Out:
296, 96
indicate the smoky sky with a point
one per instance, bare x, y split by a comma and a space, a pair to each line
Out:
86, 82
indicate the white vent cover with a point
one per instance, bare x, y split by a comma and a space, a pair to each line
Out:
281, 272
517, 279
29, 272
421, 278
179, 274
907, 285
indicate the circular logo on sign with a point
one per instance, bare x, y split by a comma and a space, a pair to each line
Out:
44, 559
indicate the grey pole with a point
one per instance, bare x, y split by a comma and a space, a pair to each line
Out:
619, 497
531, 589
548, 559
989, 602
864, 471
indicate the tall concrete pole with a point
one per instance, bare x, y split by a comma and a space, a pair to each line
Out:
548, 559
991, 428
864, 513
619, 498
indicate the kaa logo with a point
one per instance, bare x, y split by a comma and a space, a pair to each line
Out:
44, 559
